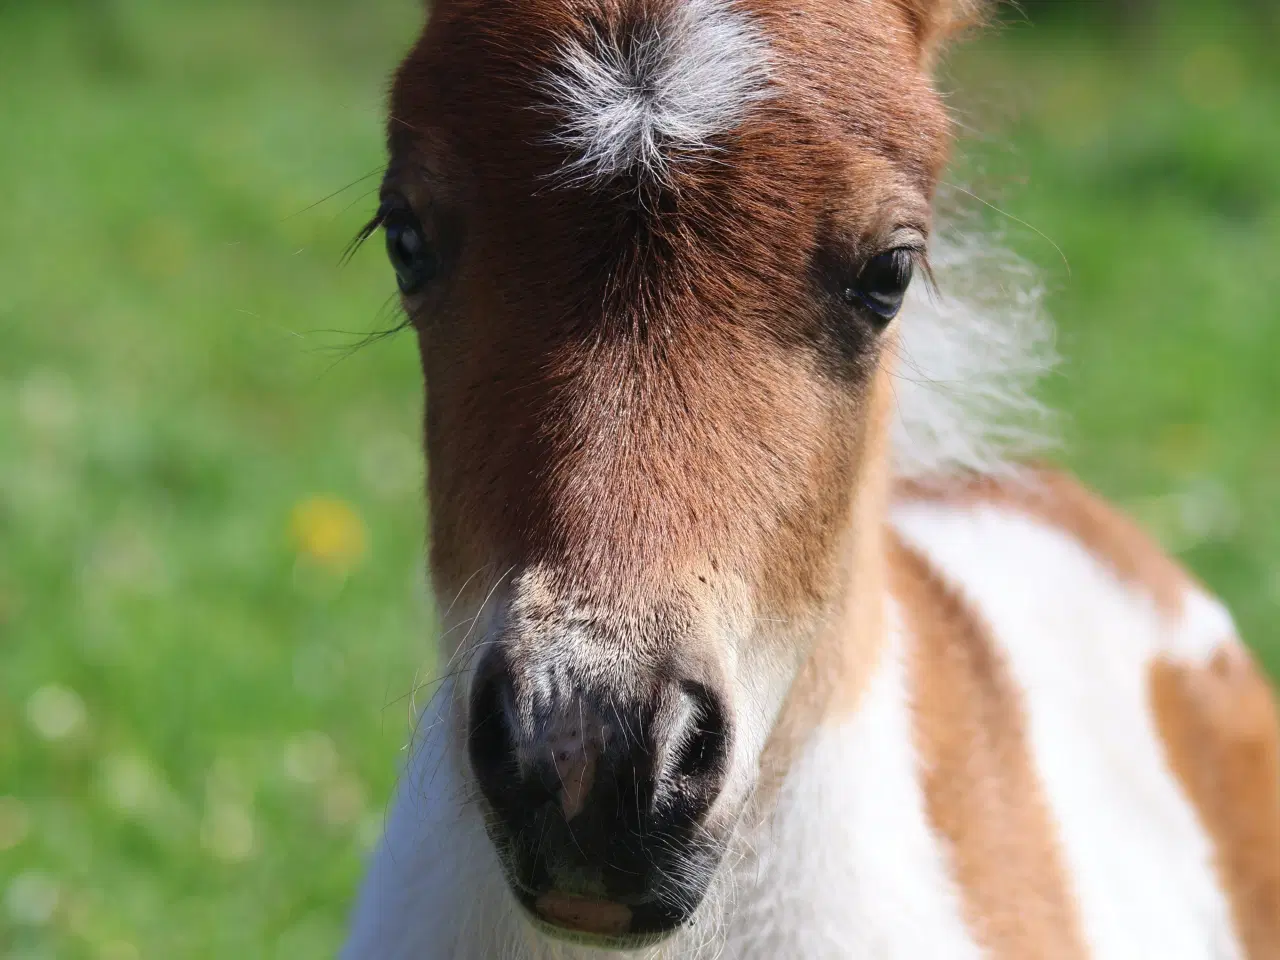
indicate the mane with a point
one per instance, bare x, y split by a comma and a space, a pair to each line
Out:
638, 95
972, 349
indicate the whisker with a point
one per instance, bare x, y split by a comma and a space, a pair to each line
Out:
1005, 213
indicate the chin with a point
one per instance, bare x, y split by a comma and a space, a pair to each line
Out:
598, 941
606, 924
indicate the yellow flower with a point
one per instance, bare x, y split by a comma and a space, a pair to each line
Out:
330, 532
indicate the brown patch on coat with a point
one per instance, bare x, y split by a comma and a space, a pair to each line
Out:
1222, 738
1063, 502
982, 792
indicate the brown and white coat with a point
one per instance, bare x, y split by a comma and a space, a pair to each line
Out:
975, 712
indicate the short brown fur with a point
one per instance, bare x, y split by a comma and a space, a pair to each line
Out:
982, 791
936, 24
671, 418
1219, 726
846, 653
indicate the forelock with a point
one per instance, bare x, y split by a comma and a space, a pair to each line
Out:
637, 93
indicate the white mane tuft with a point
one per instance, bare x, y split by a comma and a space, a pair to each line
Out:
971, 353
629, 104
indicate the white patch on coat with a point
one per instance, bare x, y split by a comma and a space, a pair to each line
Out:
1079, 642
668, 89
850, 867
1205, 628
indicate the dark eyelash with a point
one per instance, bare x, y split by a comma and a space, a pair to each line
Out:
920, 261
365, 232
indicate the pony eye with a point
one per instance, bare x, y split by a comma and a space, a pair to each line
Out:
882, 283
411, 254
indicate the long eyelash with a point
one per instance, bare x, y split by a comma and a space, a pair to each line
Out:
365, 232
374, 336
920, 261
405, 321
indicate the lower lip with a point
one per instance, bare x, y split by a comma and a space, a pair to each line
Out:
583, 914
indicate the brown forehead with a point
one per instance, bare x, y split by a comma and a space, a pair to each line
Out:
612, 392
849, 110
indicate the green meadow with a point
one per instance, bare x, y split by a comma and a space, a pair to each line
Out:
213, 619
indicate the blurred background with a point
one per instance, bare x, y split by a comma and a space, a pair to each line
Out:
212, 612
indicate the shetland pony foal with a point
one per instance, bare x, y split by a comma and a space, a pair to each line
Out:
729, 675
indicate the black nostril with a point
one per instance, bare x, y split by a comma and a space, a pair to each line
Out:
491, 743
700, 754
704, 750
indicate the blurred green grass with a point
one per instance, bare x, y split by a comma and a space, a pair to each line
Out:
206, 673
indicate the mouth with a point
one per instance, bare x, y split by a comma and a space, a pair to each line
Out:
606, 924
610, 894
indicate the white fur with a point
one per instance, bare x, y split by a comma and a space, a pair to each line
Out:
970, 354
435, 868
687, 78
1079, 642
850, 868
1204, 628
846, 868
